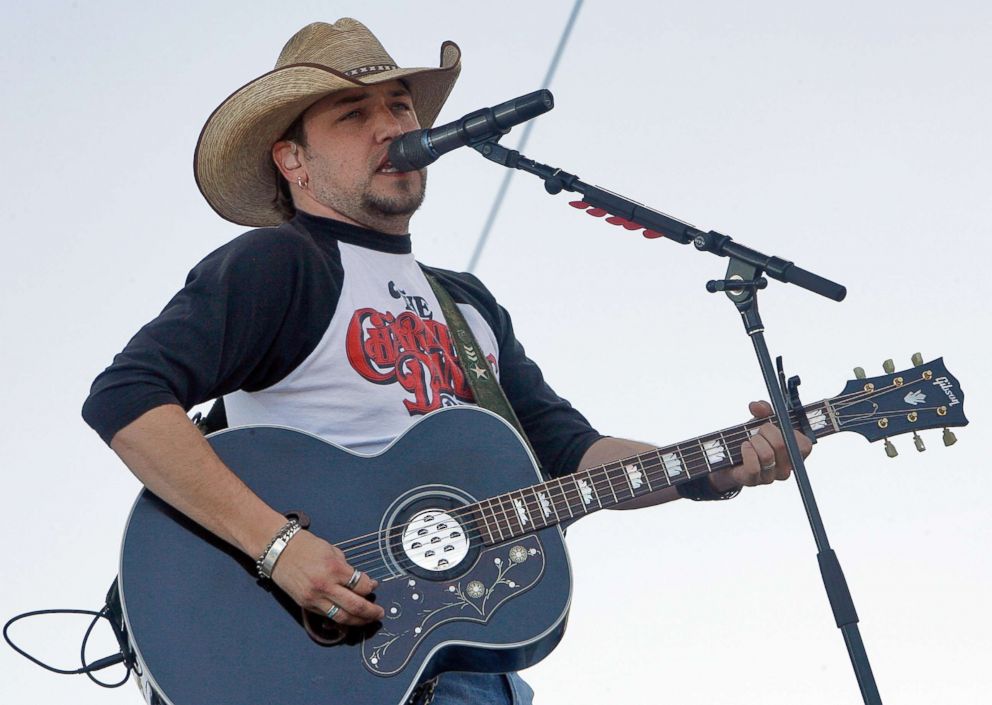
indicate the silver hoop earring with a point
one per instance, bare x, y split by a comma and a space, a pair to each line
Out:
301, 183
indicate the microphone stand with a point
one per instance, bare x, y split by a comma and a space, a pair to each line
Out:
745, 275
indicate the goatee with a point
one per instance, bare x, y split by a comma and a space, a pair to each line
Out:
401, 204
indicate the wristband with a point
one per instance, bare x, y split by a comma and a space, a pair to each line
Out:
702, 490
266, 563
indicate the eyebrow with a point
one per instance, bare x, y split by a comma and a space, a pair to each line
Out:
359, 97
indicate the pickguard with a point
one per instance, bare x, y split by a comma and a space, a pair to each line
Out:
415, 607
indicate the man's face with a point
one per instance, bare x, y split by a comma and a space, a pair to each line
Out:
345, 160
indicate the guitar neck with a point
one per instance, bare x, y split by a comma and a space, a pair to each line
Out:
565, 499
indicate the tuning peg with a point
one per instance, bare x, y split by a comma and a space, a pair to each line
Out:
919, 442
889, 366
890, 450
859, 372
949, 438
917, 359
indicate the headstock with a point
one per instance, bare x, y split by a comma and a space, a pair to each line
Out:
925, 396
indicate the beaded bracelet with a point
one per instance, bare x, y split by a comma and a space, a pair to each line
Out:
266, 563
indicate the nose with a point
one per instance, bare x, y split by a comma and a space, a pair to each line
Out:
387, 125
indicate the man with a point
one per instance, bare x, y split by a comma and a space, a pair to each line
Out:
322, 320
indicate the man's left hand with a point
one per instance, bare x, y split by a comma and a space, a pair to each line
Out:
765, 458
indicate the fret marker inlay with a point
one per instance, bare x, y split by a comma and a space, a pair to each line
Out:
715, 452
634, 475
673, 464
545, 504
817, 419
521, 511
586, 491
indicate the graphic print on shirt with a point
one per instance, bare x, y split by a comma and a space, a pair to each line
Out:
411, 349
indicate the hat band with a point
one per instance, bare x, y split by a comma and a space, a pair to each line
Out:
375, 68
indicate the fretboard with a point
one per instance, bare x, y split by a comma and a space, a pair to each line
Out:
567, 498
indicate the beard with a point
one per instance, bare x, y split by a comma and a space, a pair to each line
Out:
406, 202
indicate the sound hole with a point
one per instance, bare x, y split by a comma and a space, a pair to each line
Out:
434, 537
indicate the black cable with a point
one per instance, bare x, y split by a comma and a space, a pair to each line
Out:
87, 668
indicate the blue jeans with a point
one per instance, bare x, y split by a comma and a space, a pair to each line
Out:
482, 689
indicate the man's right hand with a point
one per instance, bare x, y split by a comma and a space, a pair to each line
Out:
315, 574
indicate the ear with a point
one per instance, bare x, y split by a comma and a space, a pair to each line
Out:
285, 155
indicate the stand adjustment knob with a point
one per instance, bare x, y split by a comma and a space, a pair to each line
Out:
889, 366
859, 372
890, 450
949, 437
917, 359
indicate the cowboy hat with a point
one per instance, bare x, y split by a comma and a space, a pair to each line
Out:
233, 163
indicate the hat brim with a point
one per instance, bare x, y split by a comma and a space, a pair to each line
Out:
232, 163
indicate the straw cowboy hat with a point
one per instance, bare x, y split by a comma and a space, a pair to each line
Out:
233, 162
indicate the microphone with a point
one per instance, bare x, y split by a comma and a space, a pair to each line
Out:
416, 149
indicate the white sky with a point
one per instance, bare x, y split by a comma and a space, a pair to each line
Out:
851, 137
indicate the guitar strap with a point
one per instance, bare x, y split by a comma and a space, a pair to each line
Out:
480, 376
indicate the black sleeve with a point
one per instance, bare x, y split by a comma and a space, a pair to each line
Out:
559, 434
249, 313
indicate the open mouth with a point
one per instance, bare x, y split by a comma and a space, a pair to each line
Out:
387, 168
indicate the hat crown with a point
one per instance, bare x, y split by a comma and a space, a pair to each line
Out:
347, 46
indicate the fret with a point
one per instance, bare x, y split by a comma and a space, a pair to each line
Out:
510, 509
533, 510
673, 464
714, 452
561, 488
485, 521
592, 486
506, 515
543, 505
546, 500
580, 494
629, 475
520, 512
706, 460
496, 519
817, 419
533, 514
584, 493
609, 480
477, 510
647, 476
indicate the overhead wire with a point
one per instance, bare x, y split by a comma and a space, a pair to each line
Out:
505, 185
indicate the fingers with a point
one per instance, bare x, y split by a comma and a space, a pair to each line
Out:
354, 604
758, 467
760, 409
365, 585
317, 576
775, 461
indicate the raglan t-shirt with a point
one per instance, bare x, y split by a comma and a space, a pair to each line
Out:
333, 329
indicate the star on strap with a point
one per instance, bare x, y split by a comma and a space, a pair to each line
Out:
480, 373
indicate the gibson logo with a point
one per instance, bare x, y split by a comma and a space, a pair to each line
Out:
947, 388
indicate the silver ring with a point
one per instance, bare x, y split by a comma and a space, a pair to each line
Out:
770, 466
353, 581
333, 611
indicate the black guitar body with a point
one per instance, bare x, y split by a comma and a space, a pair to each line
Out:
206, 630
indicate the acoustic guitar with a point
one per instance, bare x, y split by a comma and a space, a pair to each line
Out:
454, 521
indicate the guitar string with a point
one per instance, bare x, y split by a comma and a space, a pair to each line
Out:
602, 477
748, 426
600, 480
567, 490
603, 470
599, 477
